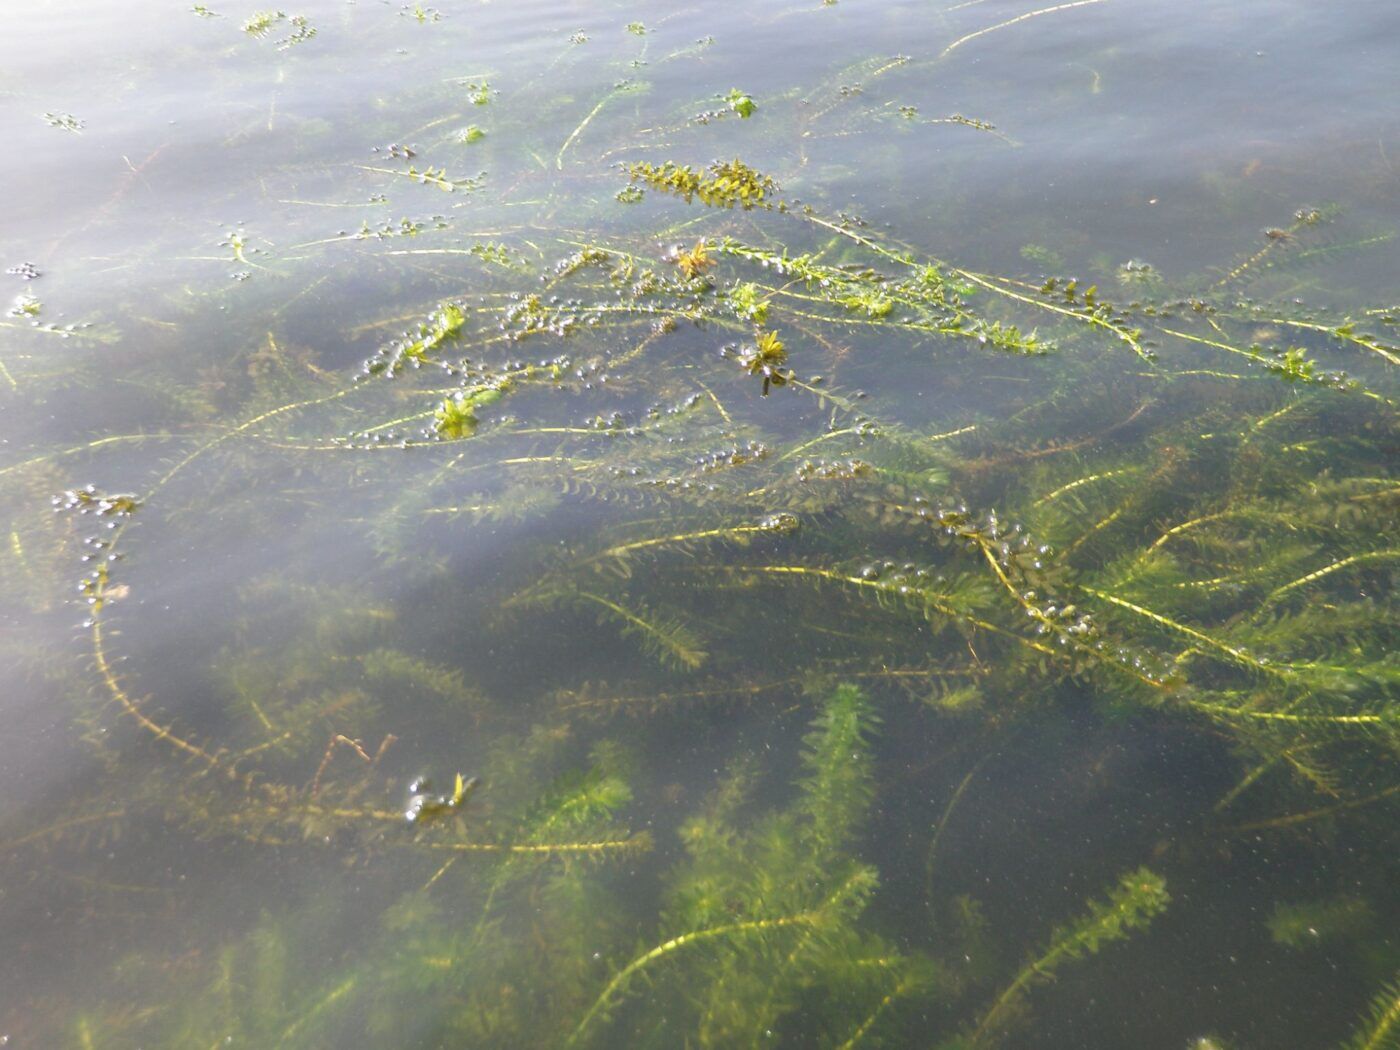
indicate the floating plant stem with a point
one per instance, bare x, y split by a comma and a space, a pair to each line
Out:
1013, 21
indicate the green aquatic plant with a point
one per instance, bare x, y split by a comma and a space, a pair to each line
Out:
740, 103
1303, 925
457, 418
443, 325
760, 916
259, 23
694, 261
444, 937
723, 184
480, 92
258, 997
25, 306
766, 357
1139, 896
988, 501
1382, 1028
748, 302
430, 176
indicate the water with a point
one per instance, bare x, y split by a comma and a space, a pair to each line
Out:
573, 550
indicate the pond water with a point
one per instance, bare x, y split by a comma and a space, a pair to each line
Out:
631, 524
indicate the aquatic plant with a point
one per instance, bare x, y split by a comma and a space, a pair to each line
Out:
1138, 897
734, 467
1382, 1029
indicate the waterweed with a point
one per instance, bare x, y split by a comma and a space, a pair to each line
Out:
1150, 522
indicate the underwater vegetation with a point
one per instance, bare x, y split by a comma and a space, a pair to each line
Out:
696, 615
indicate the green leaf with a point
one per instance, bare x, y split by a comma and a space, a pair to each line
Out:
740, 103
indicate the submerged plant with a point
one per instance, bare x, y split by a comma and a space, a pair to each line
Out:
1139, 896
766, 357
723, 184
1014, 515
740, 103
693, 262
1382, 1029
756, 918
456, 417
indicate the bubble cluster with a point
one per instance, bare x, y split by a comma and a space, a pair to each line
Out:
533, 314
87, 500
396, 149
833, 470
424, 805
1014, 550
737, 456
780, 522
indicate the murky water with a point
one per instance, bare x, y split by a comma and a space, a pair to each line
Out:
927, 583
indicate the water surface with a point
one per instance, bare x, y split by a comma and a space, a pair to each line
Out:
369, 415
